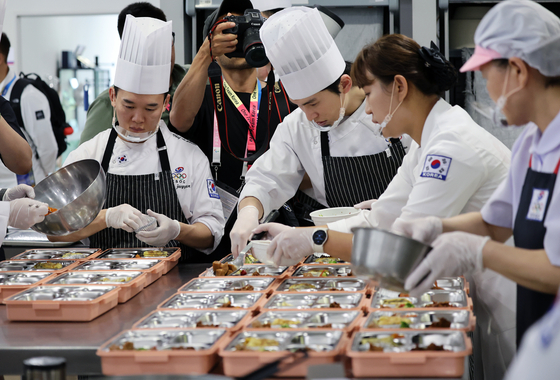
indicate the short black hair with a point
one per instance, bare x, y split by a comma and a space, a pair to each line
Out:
141, 9
5, 46
334, 86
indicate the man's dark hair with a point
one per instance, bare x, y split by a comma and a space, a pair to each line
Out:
141, 9
334, 86
5, 46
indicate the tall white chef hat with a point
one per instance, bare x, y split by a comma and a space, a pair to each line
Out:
518, 28
302, 51
266, 5
144, 63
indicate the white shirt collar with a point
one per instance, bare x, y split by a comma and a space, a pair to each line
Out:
440, 107
548, 141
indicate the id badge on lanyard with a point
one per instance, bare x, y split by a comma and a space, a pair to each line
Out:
250, 116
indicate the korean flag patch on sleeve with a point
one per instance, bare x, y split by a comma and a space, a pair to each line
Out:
212, 191
436, 166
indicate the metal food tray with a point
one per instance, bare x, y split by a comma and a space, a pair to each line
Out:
148, 340
175, 319
57, 254
229, 258
342, 320
263, 270
326, 284
212, 300
22, 278
62, 293
131, 253
320, 271
29, 238
459, 319
320, 341
29, 265
226, 284
97, 278
456, 299
405, 341
316, 259
315, 301
98, 265
451, 283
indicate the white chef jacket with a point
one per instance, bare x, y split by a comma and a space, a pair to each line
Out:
295, 149
455, 170
539, 354
36, 115
501, 209
200, 204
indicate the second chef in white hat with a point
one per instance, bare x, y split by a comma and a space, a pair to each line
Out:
149, 169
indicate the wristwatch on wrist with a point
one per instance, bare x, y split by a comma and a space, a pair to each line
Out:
319, 239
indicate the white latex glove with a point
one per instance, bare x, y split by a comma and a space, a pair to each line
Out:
17, 192
247, 221
26, 212
424, 229
453, 254
124, 217
365, 205
167, 230
288, 244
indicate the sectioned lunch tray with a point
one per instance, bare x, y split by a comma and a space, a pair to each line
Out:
384, 298
249, 259
322, 259
130, 282
395, 357
58, 254
153, 267
241, 300
324, 284
180, 319
54, 266
396, 319
320, 271
227, 284
253, 270
340, 300
322, 347
170, 256
325, 319
161, 352
70, 303
14, 282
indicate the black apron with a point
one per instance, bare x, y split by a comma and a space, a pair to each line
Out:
150, 191
351, 180
529, 234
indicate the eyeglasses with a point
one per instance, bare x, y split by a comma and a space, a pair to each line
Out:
173, 35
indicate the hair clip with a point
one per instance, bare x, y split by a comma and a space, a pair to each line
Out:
432, 56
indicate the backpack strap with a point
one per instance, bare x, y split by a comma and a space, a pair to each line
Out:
15, 98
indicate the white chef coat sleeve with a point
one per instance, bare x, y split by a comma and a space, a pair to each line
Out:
4, 216
91, 149
36, 115
275, 176
205, 206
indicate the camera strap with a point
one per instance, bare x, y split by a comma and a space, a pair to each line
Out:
280, 97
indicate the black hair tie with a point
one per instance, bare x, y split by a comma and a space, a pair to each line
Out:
442, 71
433, 57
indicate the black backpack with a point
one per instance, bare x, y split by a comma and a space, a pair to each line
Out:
58, 118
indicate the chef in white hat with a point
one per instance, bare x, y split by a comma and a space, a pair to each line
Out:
517, 51
330, 137
149, 169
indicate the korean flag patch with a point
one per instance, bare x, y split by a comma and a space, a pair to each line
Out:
436, 166
212, 191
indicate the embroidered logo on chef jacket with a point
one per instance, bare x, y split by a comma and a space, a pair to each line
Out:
180, 178
436, 166
122, 159
39, 115
212, 191
537, 207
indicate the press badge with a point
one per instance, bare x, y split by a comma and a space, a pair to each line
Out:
537, 208
436, 166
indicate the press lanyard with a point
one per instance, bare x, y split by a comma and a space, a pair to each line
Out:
250, 116
7, 87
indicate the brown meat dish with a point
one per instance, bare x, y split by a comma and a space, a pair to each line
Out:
440, 304
245, 288
431, 347
335, 305
442, 323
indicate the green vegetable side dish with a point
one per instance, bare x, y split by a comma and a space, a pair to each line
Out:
409, 305
324, 274
404, 325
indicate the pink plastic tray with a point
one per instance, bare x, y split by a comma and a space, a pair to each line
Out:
45, 252
362, 305
268, 291
362, 324
254, 308
209, 273
169, 262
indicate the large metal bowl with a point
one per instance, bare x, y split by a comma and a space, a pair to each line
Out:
77, 191
386, 257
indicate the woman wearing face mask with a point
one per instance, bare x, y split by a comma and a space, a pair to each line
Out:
518, 56
149, 169
329, 137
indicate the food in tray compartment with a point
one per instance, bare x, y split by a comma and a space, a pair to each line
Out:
327, 260
48, 265
152, 253
397, 303
223, 269
335, 305
257, 344
245, 288
440, 304
285, 323
317, 273
72, 255
442, 323
119, 279
301, 286
394, 319
431, 347
126, 346
201, 324
377, 344
227, 304
325, 326
250, 259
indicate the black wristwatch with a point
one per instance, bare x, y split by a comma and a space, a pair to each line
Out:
319, 238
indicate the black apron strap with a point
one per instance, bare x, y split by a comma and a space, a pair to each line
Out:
109, 150
325, 149
162, 151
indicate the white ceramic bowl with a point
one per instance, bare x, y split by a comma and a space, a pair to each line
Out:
259, 251
328, 215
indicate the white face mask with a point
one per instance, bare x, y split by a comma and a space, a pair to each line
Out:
378, 128
341, 114
132, 136
498, 116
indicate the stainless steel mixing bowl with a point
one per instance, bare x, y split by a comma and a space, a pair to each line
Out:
386, 257
77, 191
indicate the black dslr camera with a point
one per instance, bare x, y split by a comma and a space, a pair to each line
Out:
249, 43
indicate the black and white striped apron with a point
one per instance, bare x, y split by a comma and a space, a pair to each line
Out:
150, 191
351, 180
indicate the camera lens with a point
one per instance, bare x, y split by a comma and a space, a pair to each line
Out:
253, 48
